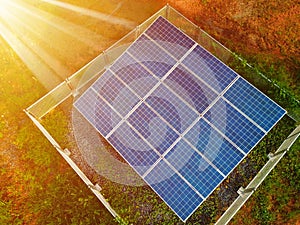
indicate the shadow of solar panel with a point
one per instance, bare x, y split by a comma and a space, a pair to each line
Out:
180, 117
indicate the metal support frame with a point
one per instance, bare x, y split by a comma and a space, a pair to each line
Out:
137, 31
242, 191
73, 90
167, 8
106, 59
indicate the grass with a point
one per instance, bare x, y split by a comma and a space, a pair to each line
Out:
38, 187
141, 205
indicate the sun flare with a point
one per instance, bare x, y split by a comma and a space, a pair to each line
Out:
3, 6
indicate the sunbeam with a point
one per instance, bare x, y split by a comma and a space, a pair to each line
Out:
3, 6
49, 44
23, 39
30, 13
95, 14
41, 71
26, 37
32, 29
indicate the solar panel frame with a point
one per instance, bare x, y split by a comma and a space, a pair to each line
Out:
172, 62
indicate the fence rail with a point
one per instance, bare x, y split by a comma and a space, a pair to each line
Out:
75, 83
245, 193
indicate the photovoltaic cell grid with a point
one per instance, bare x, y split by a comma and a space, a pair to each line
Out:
179, 116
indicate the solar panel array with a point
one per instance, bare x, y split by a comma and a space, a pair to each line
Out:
179, 116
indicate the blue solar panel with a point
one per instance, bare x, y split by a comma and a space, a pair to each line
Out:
235, 126
173, 190
194, 168
127, 143
171, 108
219, 151
191, 89
152, 56
179, 116
254, 104
152, 128
134, 75
212, 71
170, 38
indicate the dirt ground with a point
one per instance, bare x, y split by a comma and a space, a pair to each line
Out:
266, 29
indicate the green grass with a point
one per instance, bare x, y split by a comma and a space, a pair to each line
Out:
38, 186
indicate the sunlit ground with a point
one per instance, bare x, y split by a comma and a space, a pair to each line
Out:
57, 39
54, 38
52, 42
